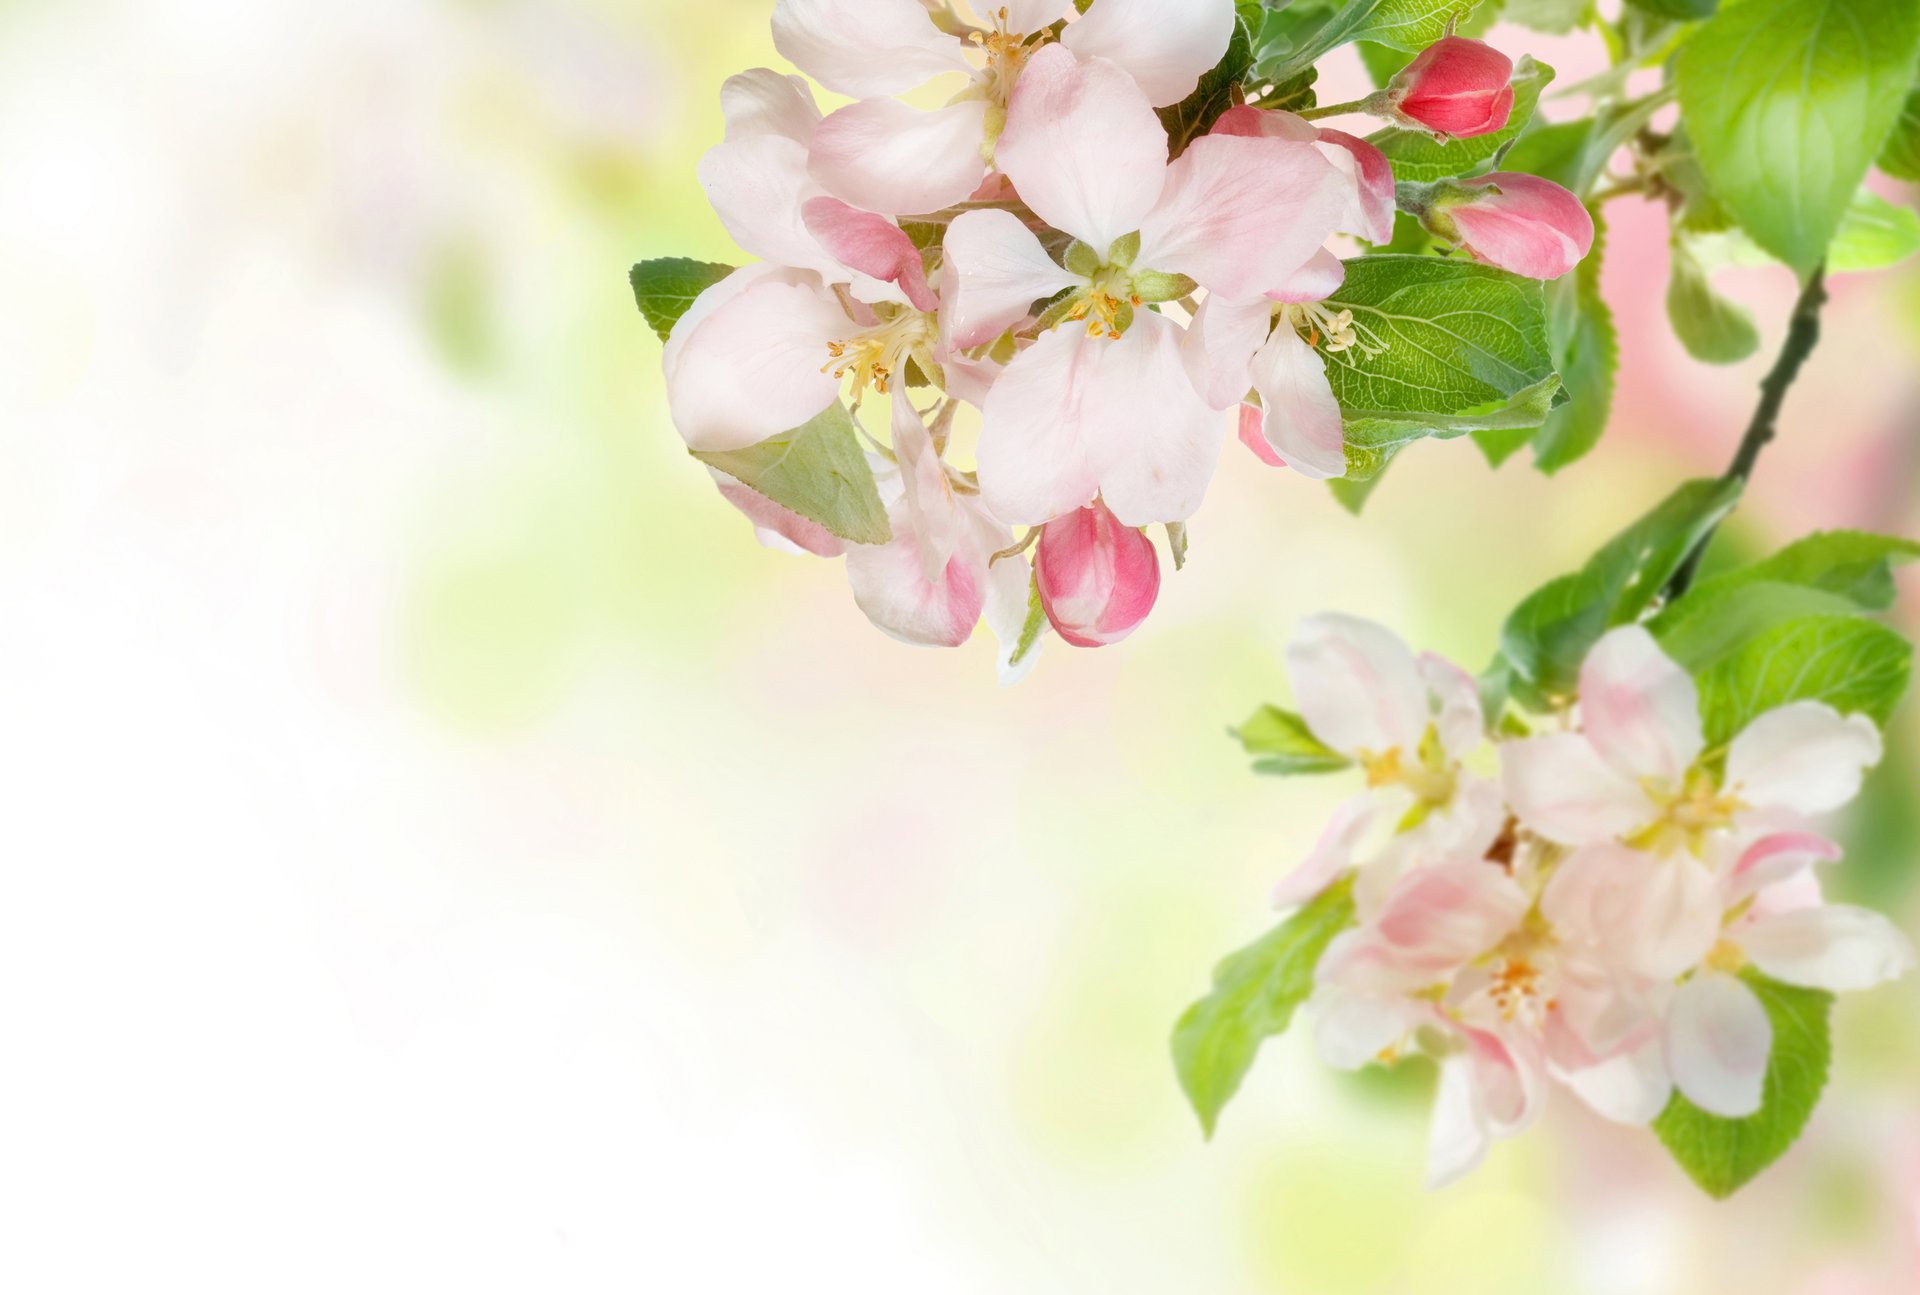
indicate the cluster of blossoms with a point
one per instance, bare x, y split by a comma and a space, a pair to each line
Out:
1572, 906
1110, 302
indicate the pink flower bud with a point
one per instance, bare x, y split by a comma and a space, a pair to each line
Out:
1097, 577
1516, 221
1457, 86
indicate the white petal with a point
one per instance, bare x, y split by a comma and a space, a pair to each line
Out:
1219, 347
1657, 917
1640, 710
1008, 586
1561, 788
1033, 461
891, 586
1804, 756
749, 368
757, 187
1357, 685
1241, 216
1302, 418
1441, 916
1029, 16
1317, 280
1776, 857
1156, 441
1352, 1029
763, 102
1632, 1088
996, 270
1331, 854
1461, 722
1083, 147
1718, 1041
884, 156
1457, 1140
865, 47
1838, 948
1165, 45
936, 517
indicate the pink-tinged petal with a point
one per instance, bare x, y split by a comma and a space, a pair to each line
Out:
1241, 216
1083, 146
1510, 1075
1029, 16
1458, 1139
1441, 916
1357, 685
1155, 441
1165, 45
776, 527
995, 271
1804, 756
1317, 280
1219, 345
890, 582
871, 244
936, 518
1303, 422
764, 102
1097, 578
1655, 917
1456, 86
1265, 123
1351, 1029
1371, 215
1253, 435
1560, 787
1640, 710
1331, 855
967, 379
865, 47
1033, 461
1838, 948
749, 368
1460, 719
1776, 857
1631, 1088
1718, 1040
882, 155
1521, 223
757, 186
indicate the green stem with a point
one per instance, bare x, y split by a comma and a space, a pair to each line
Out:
1332, 109
1803, 334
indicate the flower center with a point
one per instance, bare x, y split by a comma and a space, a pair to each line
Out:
872, 358
1105, 312
1687, 816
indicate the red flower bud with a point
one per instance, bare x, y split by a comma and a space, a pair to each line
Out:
1516, 221
1457, 86
1097, 577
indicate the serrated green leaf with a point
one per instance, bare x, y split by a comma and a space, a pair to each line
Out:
1403, 24
1788, 102
1374, 437
665, 287
819, 471
1194, 115
1418, 157
1713, 329
1723, 1155
1547, 636
1586, 349
1901, 156
1853, 665
1282, 743
1255, 994
1711, 624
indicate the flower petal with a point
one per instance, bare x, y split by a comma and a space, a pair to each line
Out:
1241, 216
761, 101
1317, 280
1083, 147
1331, 854
1718, 1041
996, 270
891, 586
1804, 756
936, 519
1219, 346
1033, 461
1776, 857
865, 47
1253, 435
1656, 917
882, 155
1156, 441
1640, 710
1357, 685
1371, 214
1560, 787
1457, 1140
1302, 418
757, 186
1441, 916
1009, 581
1631, 1088
871, 244
1029, 16
1461, 721
1165, 45
749, 367
1267, 123
1351, 1029
1837, 947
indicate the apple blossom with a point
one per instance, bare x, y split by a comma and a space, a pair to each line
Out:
1456, 86
1097, 578
1518, 222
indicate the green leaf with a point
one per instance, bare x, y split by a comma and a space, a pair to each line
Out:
1553, 150
1418, 157
1547, 636
664, 288
1901, 157
1501, 444
1255, 992
1713, 329
1873, 235
1851, 664
1032, 628
1587, 351
1723, 1155
1854, 566
1683, 10
819, 471
1403, 24
1284, 744
1374, 437
1295, 94
1554, 17
1709, 625
1194, 115
1788, 102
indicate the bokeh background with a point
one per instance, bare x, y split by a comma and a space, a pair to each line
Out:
443, 852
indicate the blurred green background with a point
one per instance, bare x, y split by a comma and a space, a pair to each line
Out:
444, 851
